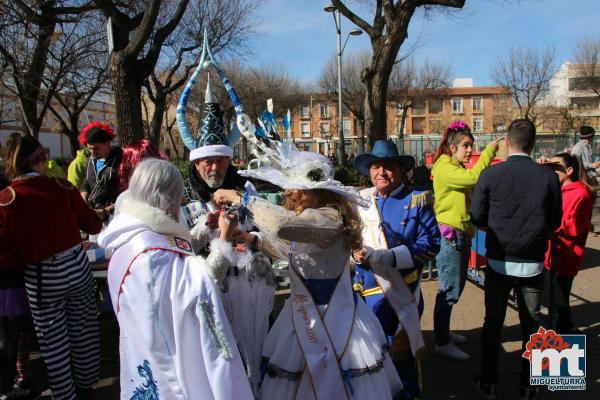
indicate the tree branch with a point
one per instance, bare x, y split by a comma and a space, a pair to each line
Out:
162, 34
358, 21
142, 35
109, 9
446, 3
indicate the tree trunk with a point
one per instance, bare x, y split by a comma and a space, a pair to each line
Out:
73, 133
127, 91
173, 145
361, 142
375, 107
403, 121
32, 80
160, 103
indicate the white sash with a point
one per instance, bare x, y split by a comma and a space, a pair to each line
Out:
323, 341
124, 256
391, 282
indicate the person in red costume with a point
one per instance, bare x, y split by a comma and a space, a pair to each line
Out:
40, 222
577, 203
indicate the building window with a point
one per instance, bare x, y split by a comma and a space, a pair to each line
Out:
478, 124
345, 110
324, 110
418, 125
477, 104
346, 127
305, 129
436, 105
457, 105
305, 113
324, 128
436, 126
581, 83
418, 107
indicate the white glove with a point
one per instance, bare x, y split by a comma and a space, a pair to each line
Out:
383, 258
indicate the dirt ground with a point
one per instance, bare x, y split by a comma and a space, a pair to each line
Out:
444, 378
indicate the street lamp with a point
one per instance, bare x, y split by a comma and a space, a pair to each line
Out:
341, 154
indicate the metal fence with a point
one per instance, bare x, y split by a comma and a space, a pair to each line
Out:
419, 146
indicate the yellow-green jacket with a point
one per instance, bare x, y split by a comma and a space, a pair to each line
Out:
453, 186
76, 171
53, 170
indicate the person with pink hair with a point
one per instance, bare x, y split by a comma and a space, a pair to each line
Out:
453, 186
133, 154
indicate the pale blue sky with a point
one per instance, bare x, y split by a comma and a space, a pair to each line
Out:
301, 36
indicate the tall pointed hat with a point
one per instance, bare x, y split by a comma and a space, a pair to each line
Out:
211, 140
278, 162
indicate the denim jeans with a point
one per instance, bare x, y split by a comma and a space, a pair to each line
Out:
497, 289
452, 263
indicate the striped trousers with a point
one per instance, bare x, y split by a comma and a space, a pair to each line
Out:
61, 294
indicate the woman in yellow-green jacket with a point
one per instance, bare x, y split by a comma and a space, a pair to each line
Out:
453, 185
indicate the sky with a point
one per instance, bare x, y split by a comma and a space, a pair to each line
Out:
300, 36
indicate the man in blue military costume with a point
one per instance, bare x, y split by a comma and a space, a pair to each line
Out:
400, 236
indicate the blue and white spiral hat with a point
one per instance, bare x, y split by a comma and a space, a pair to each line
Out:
211, 141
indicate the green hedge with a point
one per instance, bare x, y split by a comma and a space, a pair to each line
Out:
349, 176
182, 165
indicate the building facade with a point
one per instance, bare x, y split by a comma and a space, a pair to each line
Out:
50, 136
486, 109
573, 99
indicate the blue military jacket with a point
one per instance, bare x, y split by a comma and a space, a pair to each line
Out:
407, 218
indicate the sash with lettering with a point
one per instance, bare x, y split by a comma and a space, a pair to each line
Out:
124, 256
391, 282
323, 340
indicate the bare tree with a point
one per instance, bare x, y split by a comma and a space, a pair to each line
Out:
387, 33
229, 23
7, 100
31, 33
410, 84
254, 87
587, 55
87, 75
526, 73
502, 113
138, 31
353, 91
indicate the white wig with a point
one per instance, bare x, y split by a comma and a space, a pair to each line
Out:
158, 184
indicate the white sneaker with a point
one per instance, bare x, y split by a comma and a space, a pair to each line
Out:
452, 351
456, 338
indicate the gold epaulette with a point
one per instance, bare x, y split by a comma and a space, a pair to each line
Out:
7, 196
421, 199
357, 287
65, 184
370, 292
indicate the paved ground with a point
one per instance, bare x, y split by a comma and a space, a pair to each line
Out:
443, 378
447, 379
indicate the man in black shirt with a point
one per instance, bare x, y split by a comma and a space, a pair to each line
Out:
519, 202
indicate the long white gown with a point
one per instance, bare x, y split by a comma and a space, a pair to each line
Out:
175, 342
320, 256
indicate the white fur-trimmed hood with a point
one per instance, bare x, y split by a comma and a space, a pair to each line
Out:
134, 217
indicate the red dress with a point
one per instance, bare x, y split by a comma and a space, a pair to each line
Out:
577, 203
41, 216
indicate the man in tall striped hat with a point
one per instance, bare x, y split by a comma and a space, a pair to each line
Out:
400, 236
247, 288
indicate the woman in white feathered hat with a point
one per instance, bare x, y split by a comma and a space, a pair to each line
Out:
325, 343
